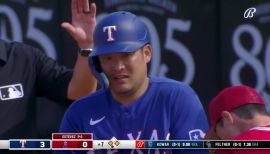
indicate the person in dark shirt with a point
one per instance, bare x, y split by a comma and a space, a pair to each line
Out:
27, 73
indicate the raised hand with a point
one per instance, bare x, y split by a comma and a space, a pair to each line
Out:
83, 23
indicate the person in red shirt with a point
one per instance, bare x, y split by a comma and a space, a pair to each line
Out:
238, 113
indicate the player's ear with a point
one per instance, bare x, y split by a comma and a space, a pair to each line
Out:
227, 116
147, 52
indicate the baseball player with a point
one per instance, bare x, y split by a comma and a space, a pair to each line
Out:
133, 105
238, 113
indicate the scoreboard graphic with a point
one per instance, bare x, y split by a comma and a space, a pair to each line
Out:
84, 141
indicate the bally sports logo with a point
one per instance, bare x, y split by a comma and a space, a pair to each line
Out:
11, 92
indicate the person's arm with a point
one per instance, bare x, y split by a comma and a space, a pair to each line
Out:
81, 29
189, 121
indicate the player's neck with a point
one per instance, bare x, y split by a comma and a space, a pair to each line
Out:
129, 97
257, 121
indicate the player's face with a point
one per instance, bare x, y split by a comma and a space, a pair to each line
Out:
127, 72
221, 131
226, 129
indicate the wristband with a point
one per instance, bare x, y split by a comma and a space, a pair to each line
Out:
85, 52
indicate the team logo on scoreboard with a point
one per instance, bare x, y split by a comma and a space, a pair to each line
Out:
65, 145
196, 134
11, 92
140, 144
23, 143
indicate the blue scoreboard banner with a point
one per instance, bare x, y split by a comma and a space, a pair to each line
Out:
30, 144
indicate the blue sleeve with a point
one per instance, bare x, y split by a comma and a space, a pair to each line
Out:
189, 121
70, 124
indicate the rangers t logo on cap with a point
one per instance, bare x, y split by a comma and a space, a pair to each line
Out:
109, 30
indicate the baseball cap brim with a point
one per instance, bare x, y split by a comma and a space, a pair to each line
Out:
118, 47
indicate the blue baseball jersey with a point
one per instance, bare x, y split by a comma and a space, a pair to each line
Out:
168, 110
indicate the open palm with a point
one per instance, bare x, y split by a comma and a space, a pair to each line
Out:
83, 23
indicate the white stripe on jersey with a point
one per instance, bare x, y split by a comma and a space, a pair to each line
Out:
261, 128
